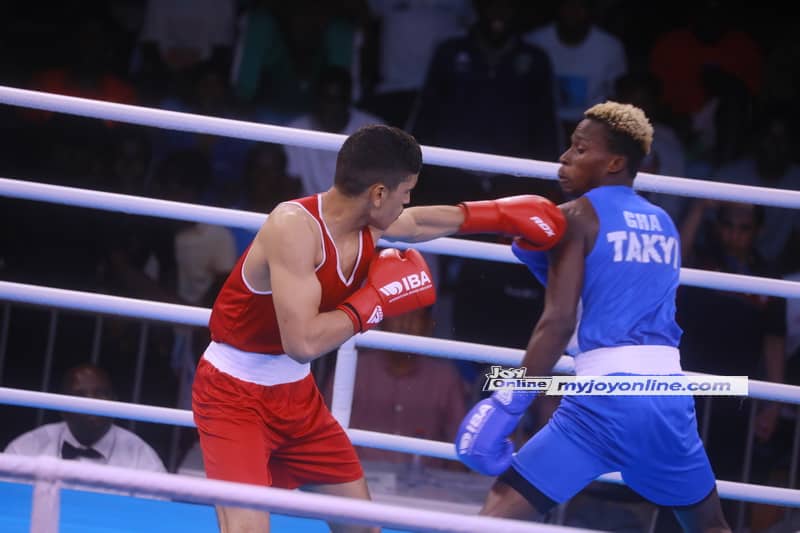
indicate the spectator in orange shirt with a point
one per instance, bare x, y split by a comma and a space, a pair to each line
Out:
687, 59
89, 74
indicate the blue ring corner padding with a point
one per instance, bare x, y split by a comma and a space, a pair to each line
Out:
92, 512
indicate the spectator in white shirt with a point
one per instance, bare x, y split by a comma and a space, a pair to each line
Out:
586, 59
403, 36
86, 437
177, 36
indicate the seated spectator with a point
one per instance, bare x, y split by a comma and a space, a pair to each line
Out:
266, 184
69, 147
84, 437
770, 162
267, 180
710, 71
89, 72
207, 93
489, 91
281, 51
401, 38
177, 36
793, 314
733, 334
128, 162
586, 59
406, 394
204, 255
332, 112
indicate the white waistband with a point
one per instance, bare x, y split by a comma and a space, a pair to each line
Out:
261, 369
645, 360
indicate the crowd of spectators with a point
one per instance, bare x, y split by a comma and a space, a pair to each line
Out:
509, 77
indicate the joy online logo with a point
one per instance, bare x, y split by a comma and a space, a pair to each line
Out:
406, 283
504, 379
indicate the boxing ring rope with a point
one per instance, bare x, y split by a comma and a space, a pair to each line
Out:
183, 418
343, 383
198, 316
447, 246
239, 129
445, 450
48, 474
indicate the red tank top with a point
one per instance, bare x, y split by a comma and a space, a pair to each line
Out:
246, 319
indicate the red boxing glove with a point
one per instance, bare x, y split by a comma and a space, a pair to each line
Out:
538, 221
397, 282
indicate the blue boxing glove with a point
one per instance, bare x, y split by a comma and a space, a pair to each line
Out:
482, 442
535, 260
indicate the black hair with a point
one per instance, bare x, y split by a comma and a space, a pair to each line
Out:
621, 143
276, 150
185, 168
69, 376
334, 75
757, 210
376, 154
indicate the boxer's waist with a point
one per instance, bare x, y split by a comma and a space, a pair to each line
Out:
644, 360
261, 369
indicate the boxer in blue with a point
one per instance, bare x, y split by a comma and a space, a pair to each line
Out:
620, 258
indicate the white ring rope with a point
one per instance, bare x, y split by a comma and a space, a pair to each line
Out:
198, 316
132, 205
180, 417
294, 503
246, 219
328, 141
136, 205
444, 450
110, 408
104, 303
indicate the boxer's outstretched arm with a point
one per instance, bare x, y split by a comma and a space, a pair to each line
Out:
535, 219
416, 224
290, 244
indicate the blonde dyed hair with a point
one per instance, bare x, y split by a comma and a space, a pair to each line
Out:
626, 119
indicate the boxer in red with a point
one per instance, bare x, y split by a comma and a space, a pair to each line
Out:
309, 281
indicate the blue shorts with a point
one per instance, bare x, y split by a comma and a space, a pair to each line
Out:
651, 440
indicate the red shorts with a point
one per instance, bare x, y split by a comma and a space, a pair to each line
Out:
280, 435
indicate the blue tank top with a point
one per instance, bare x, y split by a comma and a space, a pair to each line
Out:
631, 274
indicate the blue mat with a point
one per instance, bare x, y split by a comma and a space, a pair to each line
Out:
90, 512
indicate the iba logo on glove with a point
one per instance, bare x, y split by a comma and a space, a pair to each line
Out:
376, 316
407, 284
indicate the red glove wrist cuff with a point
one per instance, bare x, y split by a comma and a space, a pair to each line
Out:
479, 217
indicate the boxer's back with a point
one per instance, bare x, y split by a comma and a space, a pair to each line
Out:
631, 274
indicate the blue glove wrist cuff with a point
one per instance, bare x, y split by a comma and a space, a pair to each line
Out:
514, 401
